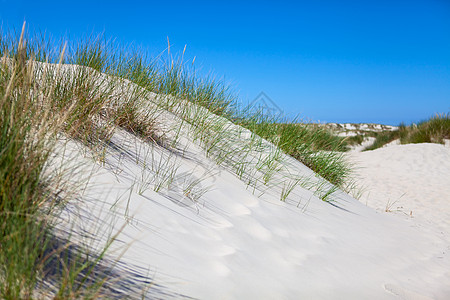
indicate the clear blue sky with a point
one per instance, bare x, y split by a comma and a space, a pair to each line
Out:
334, 61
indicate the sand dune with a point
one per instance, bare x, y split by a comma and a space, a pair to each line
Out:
188, 227
239, 242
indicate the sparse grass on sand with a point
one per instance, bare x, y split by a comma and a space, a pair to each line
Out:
43, 96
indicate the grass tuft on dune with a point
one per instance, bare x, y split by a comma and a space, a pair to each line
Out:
434, 130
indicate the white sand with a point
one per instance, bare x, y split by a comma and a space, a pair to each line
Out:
233, 245
411, 179
412, 182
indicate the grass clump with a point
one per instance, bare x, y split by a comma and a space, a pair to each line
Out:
313, 145
434, 130
24, 151
38, 103
27, 126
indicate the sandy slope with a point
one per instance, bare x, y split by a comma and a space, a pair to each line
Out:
225, 239
232, 244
